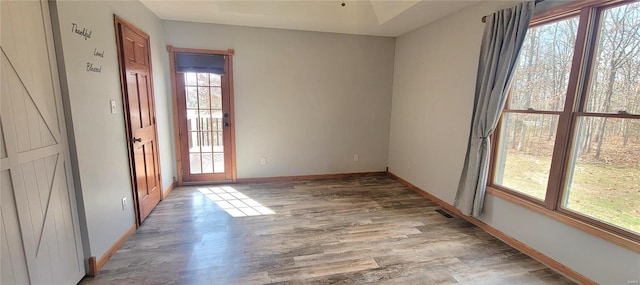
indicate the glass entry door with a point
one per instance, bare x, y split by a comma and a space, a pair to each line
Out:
204, 123
205, 131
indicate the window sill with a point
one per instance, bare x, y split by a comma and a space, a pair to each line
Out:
558, 216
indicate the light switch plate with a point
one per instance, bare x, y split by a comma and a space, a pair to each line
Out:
113, 106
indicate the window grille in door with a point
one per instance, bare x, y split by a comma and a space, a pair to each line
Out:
203, 92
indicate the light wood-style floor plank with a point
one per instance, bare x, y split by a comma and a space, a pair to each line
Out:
368, 230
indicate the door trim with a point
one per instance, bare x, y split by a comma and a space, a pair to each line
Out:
118, 22
174, 97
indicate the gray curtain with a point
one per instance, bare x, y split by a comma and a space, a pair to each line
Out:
503, 37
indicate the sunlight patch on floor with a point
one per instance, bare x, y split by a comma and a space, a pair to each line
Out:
234, 202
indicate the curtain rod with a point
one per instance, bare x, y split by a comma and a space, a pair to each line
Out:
484, 18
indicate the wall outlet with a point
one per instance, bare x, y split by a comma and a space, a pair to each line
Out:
356, 157
409, 164
114, 108
124, 203
263, 160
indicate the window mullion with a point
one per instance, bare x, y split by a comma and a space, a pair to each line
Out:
566, 121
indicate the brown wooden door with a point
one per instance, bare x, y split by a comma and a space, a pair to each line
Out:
139, 104
205, 125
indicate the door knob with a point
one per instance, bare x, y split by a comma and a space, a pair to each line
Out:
137, 139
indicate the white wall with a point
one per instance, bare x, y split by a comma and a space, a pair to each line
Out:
434, 83
305, 101
98, 136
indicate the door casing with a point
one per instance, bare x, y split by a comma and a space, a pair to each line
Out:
176, 120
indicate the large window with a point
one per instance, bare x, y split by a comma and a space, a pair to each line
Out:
569, 137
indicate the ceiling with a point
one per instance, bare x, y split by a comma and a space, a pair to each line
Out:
361, 17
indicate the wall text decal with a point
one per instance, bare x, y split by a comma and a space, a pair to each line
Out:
92, 68
98, 53
84, 32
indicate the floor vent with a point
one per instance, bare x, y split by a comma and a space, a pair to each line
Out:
442, 212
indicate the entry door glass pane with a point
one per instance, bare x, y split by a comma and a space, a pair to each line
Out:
203, 93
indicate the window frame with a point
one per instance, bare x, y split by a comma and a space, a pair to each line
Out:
589, 13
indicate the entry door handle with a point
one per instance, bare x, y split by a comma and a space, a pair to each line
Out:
137, 139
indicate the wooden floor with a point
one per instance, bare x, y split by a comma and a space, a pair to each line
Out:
343, 231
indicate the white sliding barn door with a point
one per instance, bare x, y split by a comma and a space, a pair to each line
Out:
40, 238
